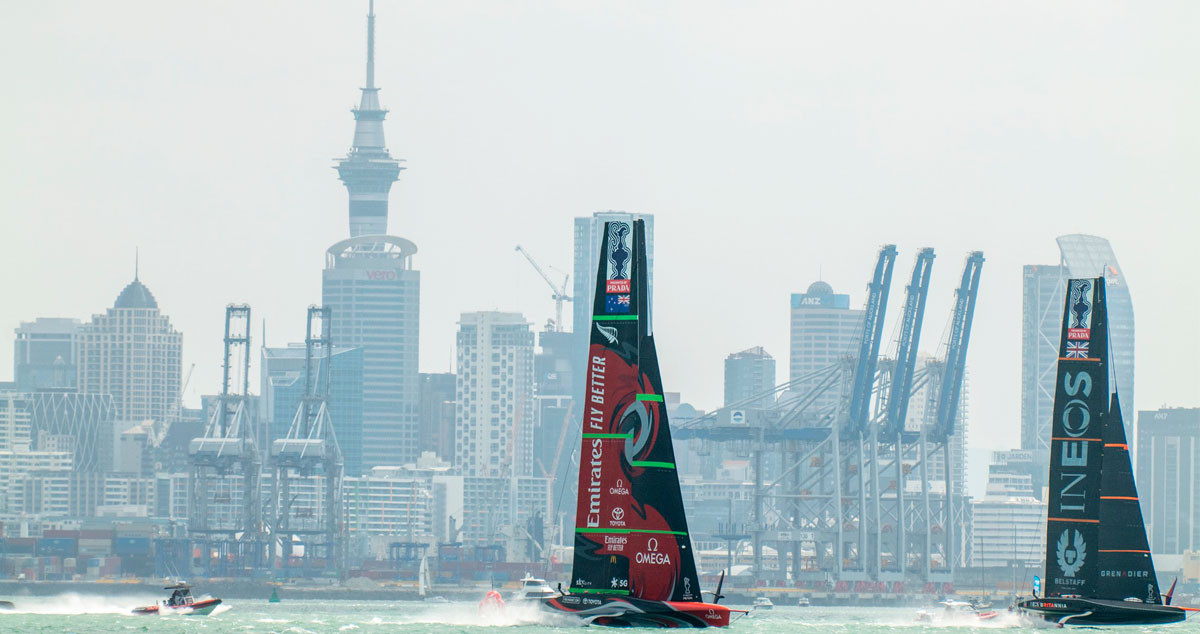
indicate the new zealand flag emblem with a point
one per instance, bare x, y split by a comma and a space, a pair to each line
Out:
616, 304
1077, 349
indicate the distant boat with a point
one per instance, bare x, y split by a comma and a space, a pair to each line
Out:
634, 562
423, 578
1098, 565
803, 601
274, 596
763, 603
534, 589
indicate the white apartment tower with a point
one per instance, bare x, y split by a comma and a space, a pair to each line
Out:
494, 412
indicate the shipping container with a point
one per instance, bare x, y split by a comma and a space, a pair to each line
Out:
18, 546
131, 546
57, 546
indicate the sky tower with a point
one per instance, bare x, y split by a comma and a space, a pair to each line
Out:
369, 170
372, 290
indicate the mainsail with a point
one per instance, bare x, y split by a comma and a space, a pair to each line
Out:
631, 535
1126, 567
1076, 445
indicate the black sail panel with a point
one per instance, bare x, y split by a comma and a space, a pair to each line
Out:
1076, 444
631, 535
1126, 567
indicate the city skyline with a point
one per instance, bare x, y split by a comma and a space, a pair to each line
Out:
708, 244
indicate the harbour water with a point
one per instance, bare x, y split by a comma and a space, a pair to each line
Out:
83, 614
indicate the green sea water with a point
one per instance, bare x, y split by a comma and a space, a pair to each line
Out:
76, 613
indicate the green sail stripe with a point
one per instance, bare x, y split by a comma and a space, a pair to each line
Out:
657, 398
650, 463
614, 318
599, 591
626, 531
627, 435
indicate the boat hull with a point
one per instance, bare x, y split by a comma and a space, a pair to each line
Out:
1077, 611
198, 608
633, 612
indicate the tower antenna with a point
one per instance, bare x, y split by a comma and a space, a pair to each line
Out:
371, 44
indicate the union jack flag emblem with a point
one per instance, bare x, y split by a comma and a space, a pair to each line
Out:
1077, 349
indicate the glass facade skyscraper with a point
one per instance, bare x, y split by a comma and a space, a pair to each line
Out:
283, 388
45, 353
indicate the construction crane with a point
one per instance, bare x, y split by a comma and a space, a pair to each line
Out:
560, 290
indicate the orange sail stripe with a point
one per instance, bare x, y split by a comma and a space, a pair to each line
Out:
1072, 439
1118, 497
1115, 444
1065, 519
1144, 552
1078, 359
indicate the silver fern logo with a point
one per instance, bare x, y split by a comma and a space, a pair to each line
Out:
608, 332
1070, 556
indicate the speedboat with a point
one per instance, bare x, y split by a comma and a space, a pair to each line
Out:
956, 612
181, 602
803, 601
763, 603
534, 589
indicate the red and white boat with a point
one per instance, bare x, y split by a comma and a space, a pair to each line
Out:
181, 602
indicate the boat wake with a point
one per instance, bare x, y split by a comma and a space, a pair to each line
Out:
463, 614
72, 603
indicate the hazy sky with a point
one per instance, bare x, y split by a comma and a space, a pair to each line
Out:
772, 141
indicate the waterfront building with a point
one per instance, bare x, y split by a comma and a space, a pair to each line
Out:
749, 373
494, 395
824, 332
1168, 478
283, 385
45, 354
132, 353
1043, 291
1008, 524
388, 501
373, 291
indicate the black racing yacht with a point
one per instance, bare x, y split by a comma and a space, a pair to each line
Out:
1098, 565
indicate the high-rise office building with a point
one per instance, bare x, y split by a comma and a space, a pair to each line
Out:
436, 427
748, 373
1043, 296
283, 385
134, 354
556, 425
1168, 461
824, 332
373, 291
494, 403
44, 353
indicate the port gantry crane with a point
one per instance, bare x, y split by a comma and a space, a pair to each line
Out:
226, 461
310, 454
835, 487
560, 290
